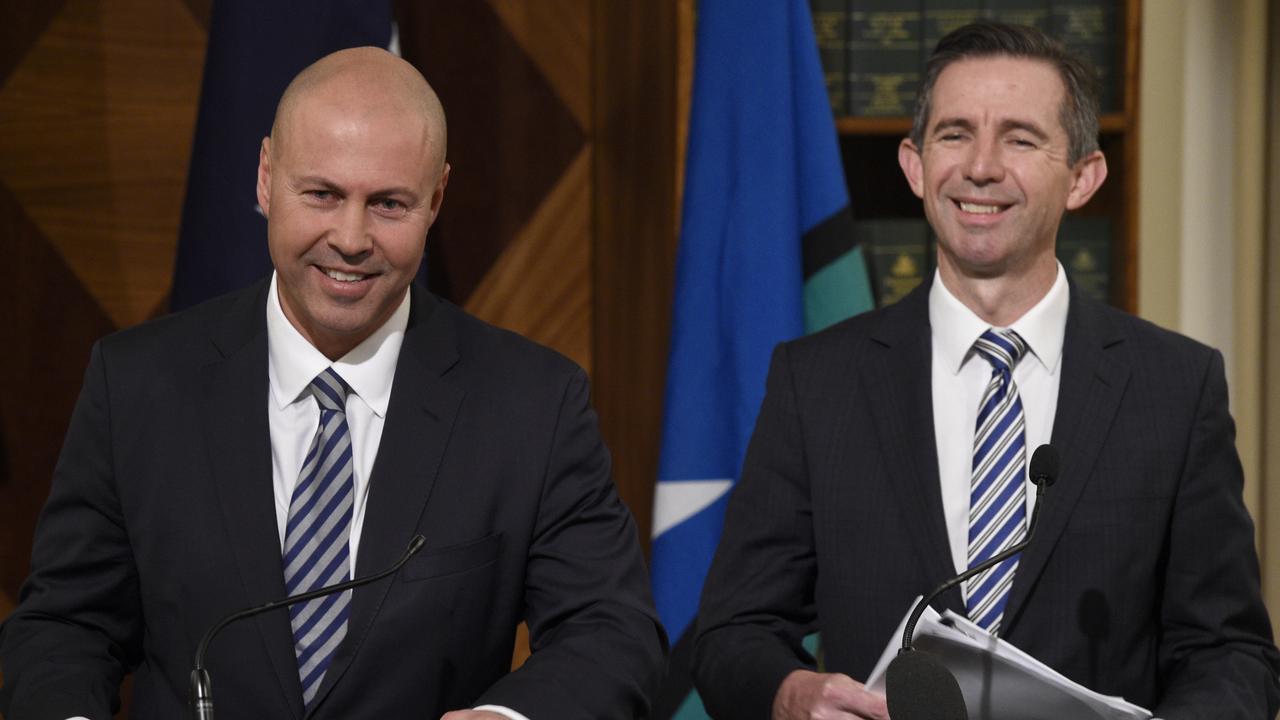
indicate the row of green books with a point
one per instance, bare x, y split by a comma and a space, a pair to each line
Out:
901, 253
873, 51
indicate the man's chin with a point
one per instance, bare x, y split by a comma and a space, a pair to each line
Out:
976, 265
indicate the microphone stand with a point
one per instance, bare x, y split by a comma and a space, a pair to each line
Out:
920, 687
1042, 484
201, 688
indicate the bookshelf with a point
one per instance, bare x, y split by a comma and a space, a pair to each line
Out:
869, 141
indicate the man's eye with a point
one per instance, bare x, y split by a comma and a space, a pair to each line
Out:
320, 194
390, 205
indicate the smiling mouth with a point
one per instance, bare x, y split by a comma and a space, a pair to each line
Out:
344, 276
976, 208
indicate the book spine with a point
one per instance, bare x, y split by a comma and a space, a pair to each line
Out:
939, 17
1034, 13
831, 26
899, 250
884, 57
1084, 249
1092, 29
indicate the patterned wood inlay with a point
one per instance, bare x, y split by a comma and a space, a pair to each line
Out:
96, 129
540, 286
556, 35
23, 22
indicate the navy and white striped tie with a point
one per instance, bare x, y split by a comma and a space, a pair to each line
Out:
316, 549
997, 496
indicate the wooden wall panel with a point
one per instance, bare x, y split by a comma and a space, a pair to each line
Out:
556, 35
97, 122
636, 118
541, 284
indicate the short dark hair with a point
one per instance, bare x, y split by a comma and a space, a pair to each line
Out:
1079, 112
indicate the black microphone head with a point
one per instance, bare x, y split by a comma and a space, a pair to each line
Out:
1044, 465
415, 545
919, 687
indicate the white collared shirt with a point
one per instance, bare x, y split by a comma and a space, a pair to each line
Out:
369, 370
960, 377
294, 415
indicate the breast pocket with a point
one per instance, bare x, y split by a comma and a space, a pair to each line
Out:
453, 559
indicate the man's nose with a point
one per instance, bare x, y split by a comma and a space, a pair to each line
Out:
353, 235
985, 163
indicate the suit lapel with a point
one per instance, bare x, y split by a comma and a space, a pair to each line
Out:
419, 421
898, 380
1089, 394
238, 438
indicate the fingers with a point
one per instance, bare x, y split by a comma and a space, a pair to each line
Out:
807, 695
849, 698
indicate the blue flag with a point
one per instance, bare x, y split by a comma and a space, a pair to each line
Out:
766, 251
255, 48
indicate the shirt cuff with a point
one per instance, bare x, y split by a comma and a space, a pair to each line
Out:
503, 711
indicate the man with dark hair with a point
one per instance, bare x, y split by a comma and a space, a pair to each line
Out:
890, 451
298, 433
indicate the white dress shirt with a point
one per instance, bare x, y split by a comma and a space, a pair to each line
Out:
960, 377
369, 370
294, 415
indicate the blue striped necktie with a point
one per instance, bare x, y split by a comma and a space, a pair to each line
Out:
997, 496
316, 549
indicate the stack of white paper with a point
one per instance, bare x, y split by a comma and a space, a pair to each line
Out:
999, 681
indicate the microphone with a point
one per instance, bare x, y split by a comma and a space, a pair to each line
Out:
201, 689
925, 688
919, 687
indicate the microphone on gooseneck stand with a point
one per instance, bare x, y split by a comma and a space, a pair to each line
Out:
201, 689
917, 685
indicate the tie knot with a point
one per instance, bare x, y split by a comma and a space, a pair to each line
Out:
330, 390
1002, 348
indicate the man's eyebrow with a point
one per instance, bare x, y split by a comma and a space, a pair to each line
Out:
388, 192
325, 183
1025, 126
317, 181
952, 123
959, 123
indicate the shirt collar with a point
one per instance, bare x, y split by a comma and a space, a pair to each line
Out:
368, 369
955, 327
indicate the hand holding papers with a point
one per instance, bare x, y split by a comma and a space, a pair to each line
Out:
999, 681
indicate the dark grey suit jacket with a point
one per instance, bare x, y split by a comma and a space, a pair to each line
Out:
161, 520
1142, 579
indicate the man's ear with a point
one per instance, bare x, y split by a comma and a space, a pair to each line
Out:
264, 176
1089, 174
437, 195
912, 166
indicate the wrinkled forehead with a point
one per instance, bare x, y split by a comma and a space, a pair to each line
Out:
999, 88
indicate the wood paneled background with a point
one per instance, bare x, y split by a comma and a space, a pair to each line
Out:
559, 221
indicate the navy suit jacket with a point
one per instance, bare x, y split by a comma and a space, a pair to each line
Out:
1142, 579
161, 520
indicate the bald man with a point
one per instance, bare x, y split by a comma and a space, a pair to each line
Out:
297, 434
